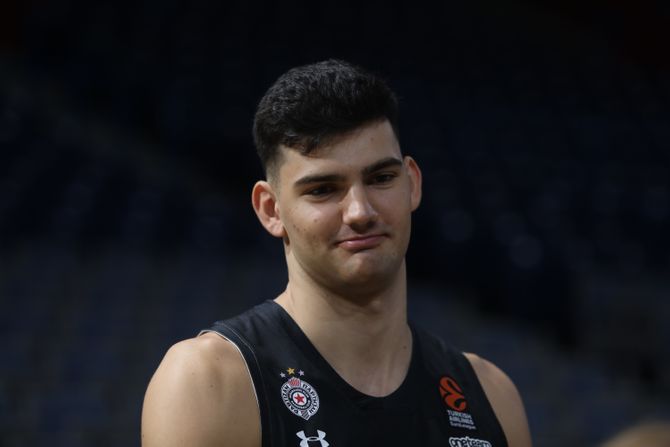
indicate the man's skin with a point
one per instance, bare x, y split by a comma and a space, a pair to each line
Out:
344, 215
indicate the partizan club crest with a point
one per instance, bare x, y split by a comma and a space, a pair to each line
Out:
299, 396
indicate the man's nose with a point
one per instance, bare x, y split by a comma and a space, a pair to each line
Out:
358, 210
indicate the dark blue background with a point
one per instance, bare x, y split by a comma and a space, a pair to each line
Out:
126, 163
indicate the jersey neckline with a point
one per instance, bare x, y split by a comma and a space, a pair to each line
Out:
301, 340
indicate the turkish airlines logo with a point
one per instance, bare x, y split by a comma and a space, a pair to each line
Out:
452, 394
321, 439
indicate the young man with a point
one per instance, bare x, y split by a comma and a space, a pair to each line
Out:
332, 360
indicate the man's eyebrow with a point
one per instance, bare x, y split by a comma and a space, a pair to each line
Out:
382, 164
318, 178
333, 178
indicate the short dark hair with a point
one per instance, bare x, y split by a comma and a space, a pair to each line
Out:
309, 105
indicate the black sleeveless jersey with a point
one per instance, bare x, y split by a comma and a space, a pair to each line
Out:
304, 403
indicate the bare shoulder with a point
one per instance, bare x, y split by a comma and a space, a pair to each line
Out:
505, 400
201, 395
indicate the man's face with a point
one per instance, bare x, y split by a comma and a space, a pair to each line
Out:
346, 209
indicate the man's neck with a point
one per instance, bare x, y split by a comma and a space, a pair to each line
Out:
366, 340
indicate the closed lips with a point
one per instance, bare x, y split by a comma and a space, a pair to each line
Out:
362, 242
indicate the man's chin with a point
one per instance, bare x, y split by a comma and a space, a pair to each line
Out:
368, 276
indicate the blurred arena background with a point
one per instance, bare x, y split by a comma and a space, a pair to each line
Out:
126, 162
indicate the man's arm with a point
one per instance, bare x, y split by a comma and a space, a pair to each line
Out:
201, 396
505, 400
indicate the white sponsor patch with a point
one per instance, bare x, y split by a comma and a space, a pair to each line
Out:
468, 442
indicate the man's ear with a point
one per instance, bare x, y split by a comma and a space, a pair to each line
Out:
415, 181
264, 201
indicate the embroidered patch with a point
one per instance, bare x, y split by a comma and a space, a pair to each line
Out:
453, 397
300, 397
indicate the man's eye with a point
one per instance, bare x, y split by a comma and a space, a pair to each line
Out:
384, 178
320, 191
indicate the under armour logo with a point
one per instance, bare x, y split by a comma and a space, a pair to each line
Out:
306, 440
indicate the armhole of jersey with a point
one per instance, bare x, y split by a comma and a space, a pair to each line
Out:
254, 374
467, 364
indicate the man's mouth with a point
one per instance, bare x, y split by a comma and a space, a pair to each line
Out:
364, 242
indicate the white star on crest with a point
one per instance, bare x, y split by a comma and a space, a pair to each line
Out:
301, 372
282, 375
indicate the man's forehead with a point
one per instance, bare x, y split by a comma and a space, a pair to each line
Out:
354, 150
363, 144
322, 160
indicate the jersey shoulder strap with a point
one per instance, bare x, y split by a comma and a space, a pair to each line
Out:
246, 332
463, 396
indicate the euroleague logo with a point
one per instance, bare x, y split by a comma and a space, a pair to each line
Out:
453, 397
452, 394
